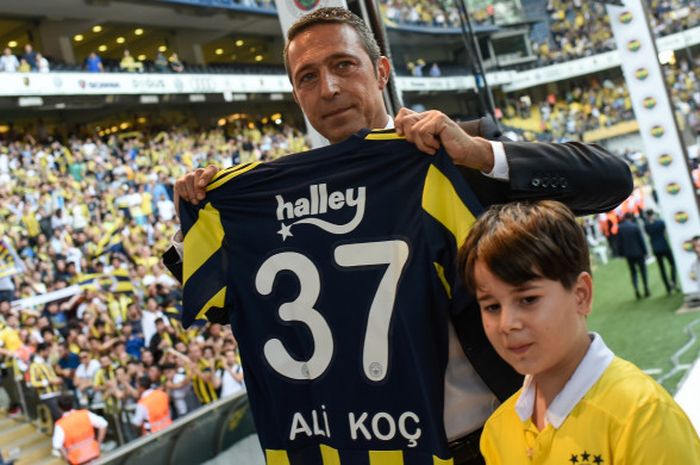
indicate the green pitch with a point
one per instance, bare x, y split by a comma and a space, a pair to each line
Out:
647, 332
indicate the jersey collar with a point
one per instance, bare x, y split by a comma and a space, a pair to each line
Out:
594, 363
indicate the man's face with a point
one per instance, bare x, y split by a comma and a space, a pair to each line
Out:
335, 82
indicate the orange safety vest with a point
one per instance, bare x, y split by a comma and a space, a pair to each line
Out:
79, 441
157, 405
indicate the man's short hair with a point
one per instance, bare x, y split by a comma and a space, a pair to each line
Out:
65, 402
145, 382
333, 15
522, 241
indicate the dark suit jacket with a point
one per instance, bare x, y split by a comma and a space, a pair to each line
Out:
657, 236
630, 240
585, 177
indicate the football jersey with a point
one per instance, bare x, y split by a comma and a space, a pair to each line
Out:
336, 269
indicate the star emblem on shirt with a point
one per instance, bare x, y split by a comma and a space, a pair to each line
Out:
598, 459
574, 458
285, 231
585, 456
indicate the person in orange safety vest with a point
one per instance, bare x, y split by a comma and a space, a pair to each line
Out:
153, 409
74, 433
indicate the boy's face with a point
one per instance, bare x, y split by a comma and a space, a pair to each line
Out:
538, 327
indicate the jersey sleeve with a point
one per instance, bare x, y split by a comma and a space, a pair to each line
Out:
204, 266
451, 209
660, 433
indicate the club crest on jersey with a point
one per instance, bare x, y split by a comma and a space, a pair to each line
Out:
305, 210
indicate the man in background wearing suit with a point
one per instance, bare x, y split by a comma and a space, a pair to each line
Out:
656, 230
632, 247
338, 75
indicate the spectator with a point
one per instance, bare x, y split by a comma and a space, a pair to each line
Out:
435, 70
9, 62
129, 64
175, 64
656, 230
24, 66
74, 433
177, 385
84, 376
231, 374
68, 362
93, 63
632, 247
44, 380
42, 64
161, 63
30, 56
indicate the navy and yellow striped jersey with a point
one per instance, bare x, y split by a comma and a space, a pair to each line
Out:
335, 268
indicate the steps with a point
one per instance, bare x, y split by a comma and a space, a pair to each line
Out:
23, 442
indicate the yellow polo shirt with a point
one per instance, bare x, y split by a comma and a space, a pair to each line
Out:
608, 413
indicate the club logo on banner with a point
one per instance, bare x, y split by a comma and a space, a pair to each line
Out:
298, 8
626, 17
673, 188
654, 113
665, 159
681, 217
641, 74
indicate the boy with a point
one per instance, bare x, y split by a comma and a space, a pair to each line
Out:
529, 268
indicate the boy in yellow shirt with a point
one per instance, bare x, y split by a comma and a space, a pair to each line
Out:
529, 268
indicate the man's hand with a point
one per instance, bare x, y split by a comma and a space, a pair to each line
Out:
431, 129
192, 187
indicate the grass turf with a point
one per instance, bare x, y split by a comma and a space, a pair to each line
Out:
646, 332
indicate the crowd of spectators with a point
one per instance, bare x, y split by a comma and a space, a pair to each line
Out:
27, 62
575, 28
94, 216
592, 104
578, 29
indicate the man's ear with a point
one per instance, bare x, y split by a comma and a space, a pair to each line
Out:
294, 96
383, 71
583, 289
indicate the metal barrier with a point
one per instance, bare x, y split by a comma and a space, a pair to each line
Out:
194, 438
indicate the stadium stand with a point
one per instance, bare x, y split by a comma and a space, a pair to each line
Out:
95, 216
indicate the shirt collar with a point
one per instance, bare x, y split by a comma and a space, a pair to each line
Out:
594, 363
390, 123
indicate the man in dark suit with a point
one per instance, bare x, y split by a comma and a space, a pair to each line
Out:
338, 75
656, 230
633, 248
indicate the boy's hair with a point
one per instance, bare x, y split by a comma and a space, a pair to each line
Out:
523, 241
